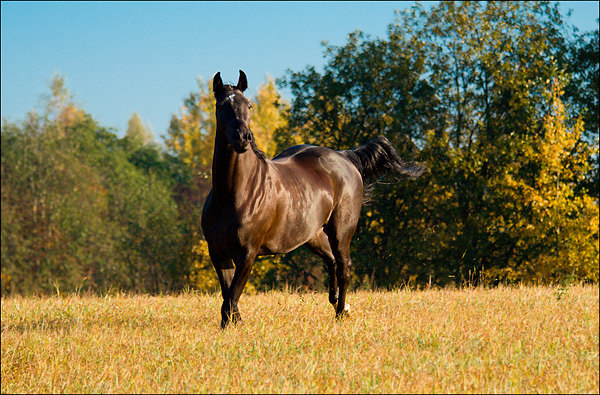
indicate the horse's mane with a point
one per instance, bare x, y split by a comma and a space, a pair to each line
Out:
259, 154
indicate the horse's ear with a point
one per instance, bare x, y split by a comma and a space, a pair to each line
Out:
217, 83
242, 82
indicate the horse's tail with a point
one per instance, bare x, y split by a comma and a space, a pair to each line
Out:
378, 157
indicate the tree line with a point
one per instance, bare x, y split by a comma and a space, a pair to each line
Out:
499, 99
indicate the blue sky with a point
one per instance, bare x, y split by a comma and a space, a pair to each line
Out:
121, 57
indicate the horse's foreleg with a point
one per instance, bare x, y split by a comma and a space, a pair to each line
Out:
243, 268
225, 270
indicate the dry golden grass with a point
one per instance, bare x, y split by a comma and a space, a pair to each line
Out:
521, 339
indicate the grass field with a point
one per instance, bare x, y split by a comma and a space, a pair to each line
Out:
507, 339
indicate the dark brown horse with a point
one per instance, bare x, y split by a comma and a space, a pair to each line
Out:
307, 195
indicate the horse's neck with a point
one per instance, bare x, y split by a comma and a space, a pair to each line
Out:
233, 173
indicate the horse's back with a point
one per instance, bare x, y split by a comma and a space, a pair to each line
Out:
291, 151
313, 157
312, 167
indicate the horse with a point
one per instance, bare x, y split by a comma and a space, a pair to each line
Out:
305, 196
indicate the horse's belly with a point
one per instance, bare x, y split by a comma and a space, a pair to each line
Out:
296, 226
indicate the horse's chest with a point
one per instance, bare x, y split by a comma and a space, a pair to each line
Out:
225, 225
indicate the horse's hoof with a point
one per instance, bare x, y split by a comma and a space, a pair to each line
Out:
346, 307
235, 321
344, 313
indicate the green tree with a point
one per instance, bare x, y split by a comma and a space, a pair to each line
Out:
463, 87
77, 213
582, 94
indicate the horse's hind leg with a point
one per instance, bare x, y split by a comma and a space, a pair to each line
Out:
339, 232
320, 246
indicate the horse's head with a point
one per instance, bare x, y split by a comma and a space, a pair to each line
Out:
233, 112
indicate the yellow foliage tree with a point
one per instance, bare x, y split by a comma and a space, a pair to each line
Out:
268, 116
191, 134
60, 109
563, 222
